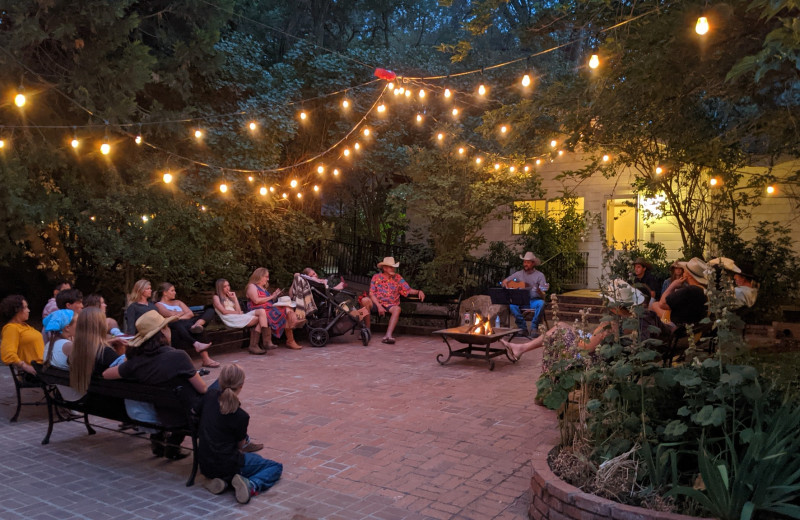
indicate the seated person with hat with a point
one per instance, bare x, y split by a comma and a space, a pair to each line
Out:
685, 301
744, 290
385, 290
536, 282
644, 279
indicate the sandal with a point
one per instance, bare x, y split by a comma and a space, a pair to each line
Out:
389, 341
211, 364
510, 354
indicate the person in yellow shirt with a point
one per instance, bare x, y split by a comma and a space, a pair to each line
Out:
21, 344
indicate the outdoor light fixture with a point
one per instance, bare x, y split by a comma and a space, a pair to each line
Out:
320, 169
659, 170
447, 93
138, 139
366, 132
293, 184
594, 61
105, 148
167, 178
303, 115
481, 90
198, 134
526, 80
381, 108
252, 125
421, 94
223, 188
263, 191
75, 143
419, 118
770, 189
250, 178
20, 100
701, 27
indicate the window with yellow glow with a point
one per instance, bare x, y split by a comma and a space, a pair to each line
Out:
554, 209
620, 221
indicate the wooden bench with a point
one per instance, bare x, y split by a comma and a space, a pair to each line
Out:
435, 307
96, 402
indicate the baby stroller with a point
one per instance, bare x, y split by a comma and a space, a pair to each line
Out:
337, 313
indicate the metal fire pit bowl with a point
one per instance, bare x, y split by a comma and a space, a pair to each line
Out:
478, 345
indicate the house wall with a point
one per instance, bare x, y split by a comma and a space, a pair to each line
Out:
597, 190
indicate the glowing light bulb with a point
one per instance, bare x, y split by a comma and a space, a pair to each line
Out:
381, 108
357, 146
408, 93
461, 150
293, 184
303, 115
346, 152
421, 94
553, 143
594, 61
263, 191
701, 27
538, 162
770, 189
496, 166
249, 178
20, 100
320, 169
92, 218
299, 195
345, 103
481, 90
366, 132
316, 188
336, 172
714, 181
396, 92
401, 90
272, 189
526, 80
144, 218
105, 148
75, 143
223, 188
390, 86
2, 143
202, 208
659, 170
503, 129
512, 169
167, 178
560, 153
606, 158
455, 112
198, 134
138, 139
526, 168
440, 136
419, 118
284, 195
478, 160
447, 93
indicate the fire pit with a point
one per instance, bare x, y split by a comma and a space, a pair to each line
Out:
478, 337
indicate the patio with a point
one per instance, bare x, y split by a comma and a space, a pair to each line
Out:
370, 432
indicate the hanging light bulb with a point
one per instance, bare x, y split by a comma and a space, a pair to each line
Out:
345, 103
538, 162
366, 132
249, 178
145, 219
223, 188
75, 143
92, 218
478, 160
252, 126
553, 143
421, 93
167, 178
496, 166
419, 118
381, 108
320, 169
198, 134
606, 158
401, 90
346, 152
659, 170
202, 208
336, 172
526, 80
390, 86
447, 93
440, 136
770, 189
138, 139
293, 184
285, 195
272, 189
560, 153
714, 181
526, 168
303, 115
20, 100
455, 112
461, 150
396, 92
105, 148
701, 27
503, 129
594, 61
316, 188
357, 146
263, 191
408, 93
299, 195
512, 169
482, 90
2, 143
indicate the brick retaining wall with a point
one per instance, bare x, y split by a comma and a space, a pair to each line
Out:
554, 499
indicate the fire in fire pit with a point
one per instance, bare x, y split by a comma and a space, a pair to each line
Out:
480, 326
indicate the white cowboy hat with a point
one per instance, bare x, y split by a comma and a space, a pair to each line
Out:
531, 257
389, 261
697, 268
285, 301
621, 292
148, 325
725, 263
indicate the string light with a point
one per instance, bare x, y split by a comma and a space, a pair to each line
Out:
263, 191
606, 158
202, 208
447, 93
345, 103
320, 170
366, 132
482, 90
440, 136
299, 195
421, 93
503, 129
272, 189
357, 146
92, 218
249, 178
2, 143
478, 160
770, 189
659, 170
293, 184
553, 143
419, 118
285, 195
105, 148
75, 143
390, 86
316, 188
512, 169
336, 172
223, 188
303, 115
138, 139
496, 166
594, 61
713, 181
346, 152
145, 219
198, 134
701, 27
461, 151
167, 178
252, 126
20, 100
455, 112
381, 108
408, 93
560, 153
538, 162
527, 168
526, 80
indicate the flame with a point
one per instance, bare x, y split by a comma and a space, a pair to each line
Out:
487, 327
480, 326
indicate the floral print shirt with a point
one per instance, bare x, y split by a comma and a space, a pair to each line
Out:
388, 289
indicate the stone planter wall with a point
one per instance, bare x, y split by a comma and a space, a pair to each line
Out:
554, 499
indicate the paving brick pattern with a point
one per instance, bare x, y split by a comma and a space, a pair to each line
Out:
380, 432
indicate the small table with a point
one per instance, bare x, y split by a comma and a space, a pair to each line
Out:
481, 344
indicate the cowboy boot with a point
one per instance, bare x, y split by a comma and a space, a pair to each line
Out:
290, 342
266, 338
254, 348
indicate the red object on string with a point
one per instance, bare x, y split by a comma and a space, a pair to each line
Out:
388, 75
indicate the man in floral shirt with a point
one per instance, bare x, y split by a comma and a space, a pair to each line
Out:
385, 290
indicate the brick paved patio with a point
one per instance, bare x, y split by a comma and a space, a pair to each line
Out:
381, 432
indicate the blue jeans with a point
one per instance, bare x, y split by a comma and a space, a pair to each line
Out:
263, 473
536, 305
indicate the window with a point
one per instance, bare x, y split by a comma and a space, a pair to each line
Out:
620, 221
553, 209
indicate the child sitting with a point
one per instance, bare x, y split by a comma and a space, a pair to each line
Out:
223, 434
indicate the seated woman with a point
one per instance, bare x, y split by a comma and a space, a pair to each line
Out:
21, 344
623, 296
675, 273
230, 312
138, 304
223, 435
95, 300
152, 361
184, 329
60, 326
260, 298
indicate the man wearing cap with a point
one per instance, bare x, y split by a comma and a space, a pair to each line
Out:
685, 303
536, 282
643, 278
385, 290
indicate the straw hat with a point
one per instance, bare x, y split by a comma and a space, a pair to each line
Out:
530, 257
697, 268
285, 301
621, 292
389, 261
148, 325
